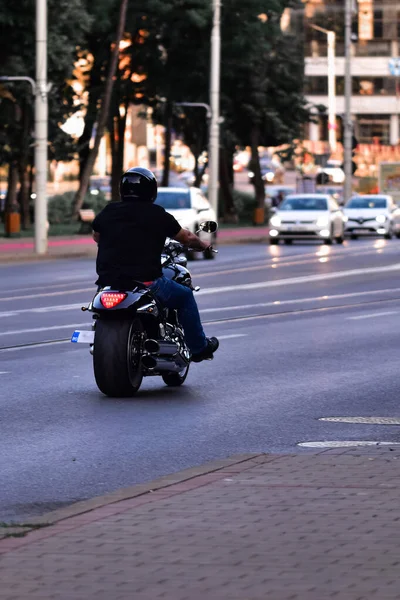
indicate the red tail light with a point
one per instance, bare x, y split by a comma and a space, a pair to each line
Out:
111, 299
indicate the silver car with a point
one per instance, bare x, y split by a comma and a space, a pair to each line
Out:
375, 214
307, 217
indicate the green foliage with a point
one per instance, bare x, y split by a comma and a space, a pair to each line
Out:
60, 206
67, 22
245, 205
262, 78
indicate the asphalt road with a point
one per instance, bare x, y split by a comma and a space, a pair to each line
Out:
307, 331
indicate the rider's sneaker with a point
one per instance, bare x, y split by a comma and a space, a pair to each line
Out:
207, 353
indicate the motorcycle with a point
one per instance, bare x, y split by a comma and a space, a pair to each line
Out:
134, 336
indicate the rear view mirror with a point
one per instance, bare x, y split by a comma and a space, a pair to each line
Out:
208, 226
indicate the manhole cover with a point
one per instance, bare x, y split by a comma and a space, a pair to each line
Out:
345, 444
366, 420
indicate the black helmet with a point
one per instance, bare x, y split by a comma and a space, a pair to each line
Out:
138, 184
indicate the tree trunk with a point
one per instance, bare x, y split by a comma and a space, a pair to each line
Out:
258, 181
118, 148
103, 112
168, 136
229, 209
24, 196
12, 184
196, 169
84, 140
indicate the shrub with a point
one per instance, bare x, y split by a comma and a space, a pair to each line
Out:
59, 207
245, 205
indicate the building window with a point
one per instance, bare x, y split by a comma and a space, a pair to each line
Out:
316, 86
373, 128
378, 23
361, 86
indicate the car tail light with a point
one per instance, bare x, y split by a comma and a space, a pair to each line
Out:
111, 299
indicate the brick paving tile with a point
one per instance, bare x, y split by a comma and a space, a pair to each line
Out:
299, 527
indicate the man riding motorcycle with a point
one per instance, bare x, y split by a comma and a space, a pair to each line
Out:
131, 235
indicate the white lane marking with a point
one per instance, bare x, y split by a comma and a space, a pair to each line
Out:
232, 335
373, 315
66, 307
346, 444
40, 329
48, 294
303, 279
299, 300
281, 262
364, 420
43, 309
45, 344
34, 346
87, 324
4, 372
49, 286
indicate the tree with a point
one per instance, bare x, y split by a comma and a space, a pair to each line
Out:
103, 111
68, 20
262, 79
172, 55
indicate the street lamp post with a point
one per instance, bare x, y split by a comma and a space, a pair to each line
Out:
41, 128
348, 127
213, 150
40, 89
331, 86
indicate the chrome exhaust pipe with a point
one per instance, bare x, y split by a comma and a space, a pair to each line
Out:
154, 363
162, 348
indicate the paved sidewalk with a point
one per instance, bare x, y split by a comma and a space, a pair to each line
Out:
312, 526
22, 249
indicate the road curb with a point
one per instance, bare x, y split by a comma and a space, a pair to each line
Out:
102, 505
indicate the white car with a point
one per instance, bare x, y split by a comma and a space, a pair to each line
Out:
190, 207
332, 172
375, 214
307, 217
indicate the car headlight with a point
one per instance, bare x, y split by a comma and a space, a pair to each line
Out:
275, 221
381, 218
345, 218
322, 221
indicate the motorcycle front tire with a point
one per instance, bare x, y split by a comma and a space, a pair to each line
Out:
117, 357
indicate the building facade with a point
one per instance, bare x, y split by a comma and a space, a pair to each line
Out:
375, 101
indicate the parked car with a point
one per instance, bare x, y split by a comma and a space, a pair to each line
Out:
375, 214
273, 192
190, 207
271, 170
332, 172
307, 217
100, 184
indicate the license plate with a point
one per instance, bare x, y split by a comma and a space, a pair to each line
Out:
82, 337
296, 228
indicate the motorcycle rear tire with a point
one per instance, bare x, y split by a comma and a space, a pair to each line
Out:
117, 372
175, 379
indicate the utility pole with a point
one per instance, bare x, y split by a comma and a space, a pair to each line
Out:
213, 148
41, 128
331, 39
348, 126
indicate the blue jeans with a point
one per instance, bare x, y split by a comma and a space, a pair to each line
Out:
175, 295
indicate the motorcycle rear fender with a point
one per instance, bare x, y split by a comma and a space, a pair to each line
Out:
137, 300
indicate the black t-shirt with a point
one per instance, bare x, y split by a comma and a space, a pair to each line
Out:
132, 237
